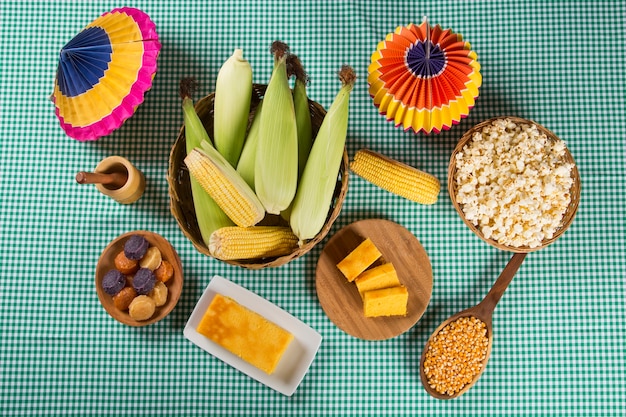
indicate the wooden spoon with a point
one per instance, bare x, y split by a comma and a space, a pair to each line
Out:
482, 311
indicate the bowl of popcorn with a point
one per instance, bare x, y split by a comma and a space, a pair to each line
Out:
514, 183
139, 278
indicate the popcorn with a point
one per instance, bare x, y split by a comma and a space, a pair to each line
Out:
513, 183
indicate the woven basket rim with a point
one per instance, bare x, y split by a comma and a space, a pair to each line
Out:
570, 212
203, 106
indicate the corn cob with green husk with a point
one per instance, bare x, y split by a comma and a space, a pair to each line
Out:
230, 243
247, 160
303, 117
317, 185
302, 110
225, 185
233, 92
209, 215
245, 166
276, 164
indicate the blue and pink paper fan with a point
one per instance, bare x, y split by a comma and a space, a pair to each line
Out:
424, 78
104, 72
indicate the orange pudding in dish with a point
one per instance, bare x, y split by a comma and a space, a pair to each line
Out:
244, 333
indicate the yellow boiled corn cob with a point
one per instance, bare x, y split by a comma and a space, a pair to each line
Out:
233, 92
230, 243
225, 185
396, 177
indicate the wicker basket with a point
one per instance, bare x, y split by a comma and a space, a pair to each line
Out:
569, 214
181, 201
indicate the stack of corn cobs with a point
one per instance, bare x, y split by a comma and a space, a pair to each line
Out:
274, 167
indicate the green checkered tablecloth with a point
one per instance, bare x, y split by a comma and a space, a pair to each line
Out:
560, 346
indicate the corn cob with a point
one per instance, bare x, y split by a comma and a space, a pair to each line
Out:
303, 118
302, 110
230, 243
233, 92
319, 179
225, 185
396, 177
245, 166
209, 215
276, 165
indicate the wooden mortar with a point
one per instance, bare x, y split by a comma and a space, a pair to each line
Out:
131, 190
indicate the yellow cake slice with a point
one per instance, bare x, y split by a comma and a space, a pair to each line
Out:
359, 259
386, 302
379, 277
244, 333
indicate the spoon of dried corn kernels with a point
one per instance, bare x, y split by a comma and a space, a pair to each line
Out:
457, 352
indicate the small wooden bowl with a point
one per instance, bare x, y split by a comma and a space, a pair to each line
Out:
181, 200
174, 285
568, 216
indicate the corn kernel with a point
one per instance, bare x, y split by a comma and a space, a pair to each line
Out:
455, 355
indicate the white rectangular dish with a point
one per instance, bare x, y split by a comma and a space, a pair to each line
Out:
296, 360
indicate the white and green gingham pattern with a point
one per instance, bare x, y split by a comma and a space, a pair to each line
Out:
560, 329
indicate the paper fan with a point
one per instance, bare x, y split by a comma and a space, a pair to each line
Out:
104, 72
424, 78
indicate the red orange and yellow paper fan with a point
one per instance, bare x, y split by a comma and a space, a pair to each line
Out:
424, 78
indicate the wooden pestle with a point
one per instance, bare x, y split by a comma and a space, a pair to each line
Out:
113, 180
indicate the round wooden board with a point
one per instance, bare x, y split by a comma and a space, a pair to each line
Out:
174, 284
340, 299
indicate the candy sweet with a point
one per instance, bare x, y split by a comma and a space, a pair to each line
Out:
124, 265
123, 298
113, 282
143, 281
136, 247
159, 293
385, 302
359, 259
164, 272
382, 276
152, 259
141, 308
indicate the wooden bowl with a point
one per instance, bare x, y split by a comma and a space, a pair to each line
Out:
181, 200
568, 216
174, 284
